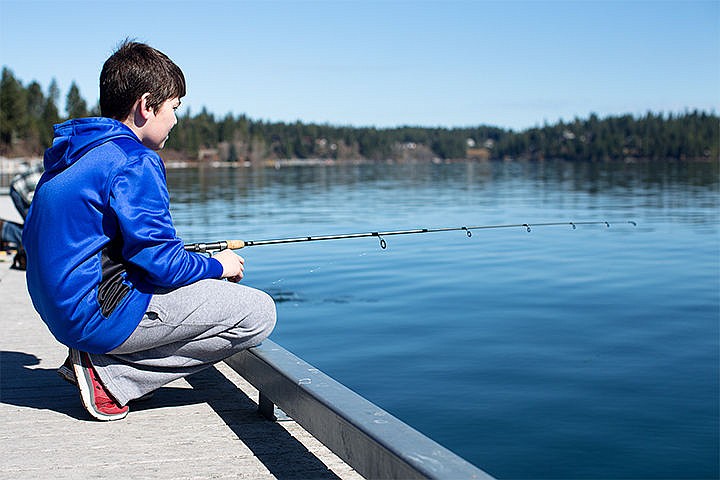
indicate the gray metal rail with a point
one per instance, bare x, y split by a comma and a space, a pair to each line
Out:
369, 439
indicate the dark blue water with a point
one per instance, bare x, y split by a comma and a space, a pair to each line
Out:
558, 353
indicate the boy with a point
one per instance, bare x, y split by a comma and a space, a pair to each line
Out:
106, 270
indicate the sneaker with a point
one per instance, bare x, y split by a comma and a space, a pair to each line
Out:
96, 400
67, 373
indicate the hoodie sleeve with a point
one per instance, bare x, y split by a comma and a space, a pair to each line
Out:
141, 203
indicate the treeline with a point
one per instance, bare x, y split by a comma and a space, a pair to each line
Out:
27, 114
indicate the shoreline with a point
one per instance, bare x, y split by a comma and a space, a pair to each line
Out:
15, 165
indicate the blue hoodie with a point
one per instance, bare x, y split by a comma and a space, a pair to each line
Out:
99, 236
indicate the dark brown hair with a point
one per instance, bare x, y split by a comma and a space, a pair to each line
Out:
133, 70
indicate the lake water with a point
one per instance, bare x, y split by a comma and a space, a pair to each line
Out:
555, 353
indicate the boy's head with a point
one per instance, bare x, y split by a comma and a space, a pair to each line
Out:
133, 70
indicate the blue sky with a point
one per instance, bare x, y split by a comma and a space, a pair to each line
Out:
512, 64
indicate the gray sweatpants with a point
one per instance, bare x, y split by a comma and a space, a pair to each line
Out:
184, 331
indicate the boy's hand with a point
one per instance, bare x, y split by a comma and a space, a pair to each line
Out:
233, 265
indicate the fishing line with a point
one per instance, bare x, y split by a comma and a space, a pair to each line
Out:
238, 244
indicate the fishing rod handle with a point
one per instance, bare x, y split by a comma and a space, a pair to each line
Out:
235, 244
215, 247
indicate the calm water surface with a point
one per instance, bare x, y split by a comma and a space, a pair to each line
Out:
558, 353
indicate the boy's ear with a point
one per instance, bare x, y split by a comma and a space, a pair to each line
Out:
140, 113
143, 109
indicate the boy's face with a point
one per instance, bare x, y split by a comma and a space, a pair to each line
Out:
160, 123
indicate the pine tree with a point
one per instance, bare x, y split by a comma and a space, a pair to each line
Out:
13, 109
75, 105
50, 115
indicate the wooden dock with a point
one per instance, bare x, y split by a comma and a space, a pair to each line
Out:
205, 426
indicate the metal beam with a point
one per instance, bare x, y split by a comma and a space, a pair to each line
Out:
366, 437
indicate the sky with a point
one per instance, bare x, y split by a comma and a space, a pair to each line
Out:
510, 64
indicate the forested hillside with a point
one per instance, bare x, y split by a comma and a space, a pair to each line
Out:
27, 113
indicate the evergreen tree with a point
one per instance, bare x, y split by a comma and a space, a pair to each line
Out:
13, 109
35, 107
50, 114
75, 105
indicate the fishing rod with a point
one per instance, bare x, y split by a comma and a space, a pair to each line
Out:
238, 244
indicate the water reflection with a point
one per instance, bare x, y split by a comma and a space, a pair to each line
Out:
275, 201
207, 183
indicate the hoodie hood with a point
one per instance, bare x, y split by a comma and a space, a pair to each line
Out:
75, 137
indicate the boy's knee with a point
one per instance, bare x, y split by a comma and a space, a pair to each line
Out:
267, 311
259, 312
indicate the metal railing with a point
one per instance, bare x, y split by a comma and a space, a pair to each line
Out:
366, 437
